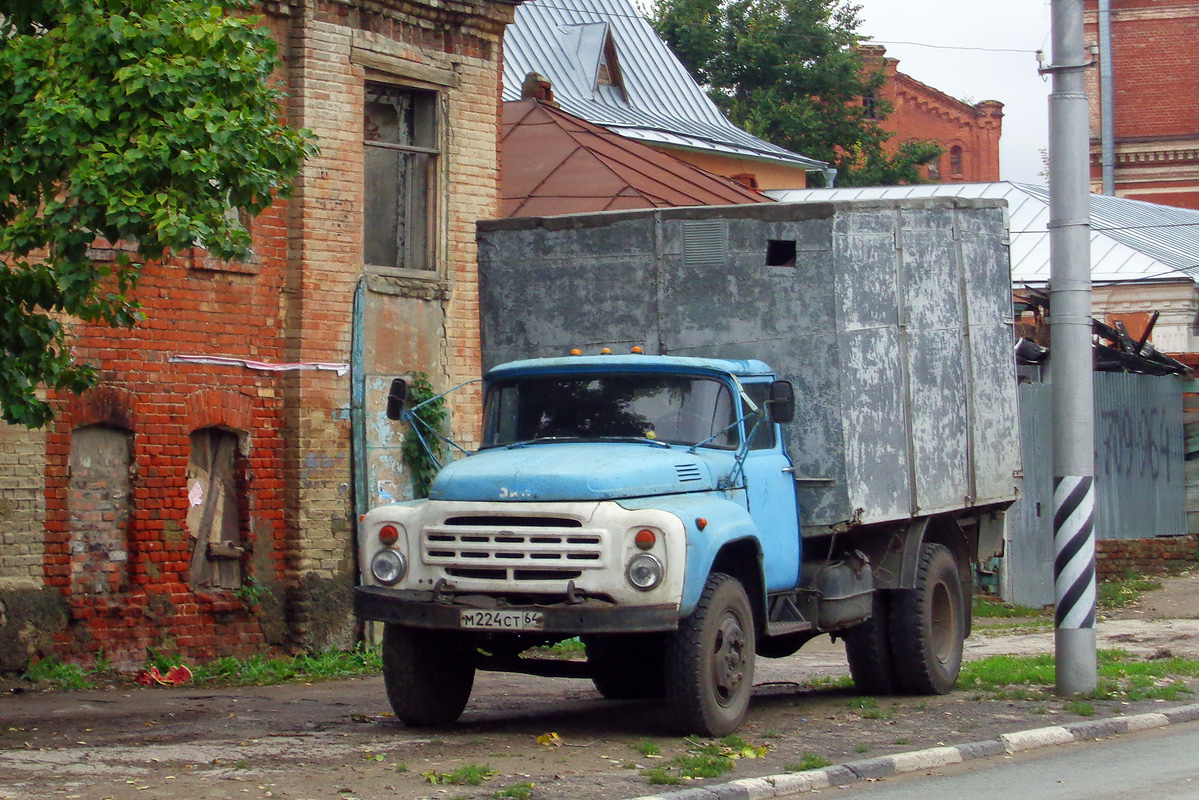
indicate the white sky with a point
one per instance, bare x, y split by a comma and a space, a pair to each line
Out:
976, 74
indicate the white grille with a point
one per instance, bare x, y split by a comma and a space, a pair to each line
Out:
539, 553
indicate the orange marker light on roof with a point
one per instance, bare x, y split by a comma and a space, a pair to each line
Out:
607, 351
636, 349
576, 352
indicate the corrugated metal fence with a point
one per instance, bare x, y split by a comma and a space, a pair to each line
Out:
1139, 476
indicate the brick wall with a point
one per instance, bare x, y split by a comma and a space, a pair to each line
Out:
22, 507
109, 565
923, 112
1156, 125
1115, 558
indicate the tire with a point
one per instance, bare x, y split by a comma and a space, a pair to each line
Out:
428, 674
710, 661
627, 667
928, 626
868, 650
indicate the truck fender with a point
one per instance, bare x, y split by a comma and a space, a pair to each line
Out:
730, 547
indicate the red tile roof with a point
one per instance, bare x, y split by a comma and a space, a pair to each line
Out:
557, 163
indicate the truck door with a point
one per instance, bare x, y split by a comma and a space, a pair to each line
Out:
770, 492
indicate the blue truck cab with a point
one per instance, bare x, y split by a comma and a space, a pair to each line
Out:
644, 503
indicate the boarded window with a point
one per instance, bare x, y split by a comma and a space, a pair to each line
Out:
399, 165
99, 502
214, 515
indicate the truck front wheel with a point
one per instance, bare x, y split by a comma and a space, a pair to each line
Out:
710, 660
928, 625
428, 674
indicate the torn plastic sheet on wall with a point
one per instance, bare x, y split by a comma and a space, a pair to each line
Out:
340, 368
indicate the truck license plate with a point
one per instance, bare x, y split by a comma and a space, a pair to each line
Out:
501, 620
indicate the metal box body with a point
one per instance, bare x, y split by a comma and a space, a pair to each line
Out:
891, 318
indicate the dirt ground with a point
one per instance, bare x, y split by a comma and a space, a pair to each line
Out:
338, 740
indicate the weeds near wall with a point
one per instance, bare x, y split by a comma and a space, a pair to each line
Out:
427, 420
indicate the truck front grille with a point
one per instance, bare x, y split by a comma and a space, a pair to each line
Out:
512, 549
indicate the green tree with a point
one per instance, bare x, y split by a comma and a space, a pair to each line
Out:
789, 72
144, 122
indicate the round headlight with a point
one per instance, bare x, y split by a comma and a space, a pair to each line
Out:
644, 572
388, 566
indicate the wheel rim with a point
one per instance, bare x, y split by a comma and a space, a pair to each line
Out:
729, 653
943, 624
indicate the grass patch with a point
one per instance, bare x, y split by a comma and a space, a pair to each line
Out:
520, 791
809, 761
1122, 676
704, 759
567, 649
52, 671
465, 775
870, 709
1123, 592
268, 670
993, 608
646, 747
1081, 708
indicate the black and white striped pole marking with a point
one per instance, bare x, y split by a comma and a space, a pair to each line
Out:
1074, 551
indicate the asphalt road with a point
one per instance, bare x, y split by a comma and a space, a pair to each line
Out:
1161, 764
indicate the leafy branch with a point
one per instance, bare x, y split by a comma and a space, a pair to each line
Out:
422, 449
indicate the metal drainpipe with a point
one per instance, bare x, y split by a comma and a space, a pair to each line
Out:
1107, 121
358, 402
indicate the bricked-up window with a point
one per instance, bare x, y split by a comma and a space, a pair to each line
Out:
215, 475
100, 502
400, 169
955, 161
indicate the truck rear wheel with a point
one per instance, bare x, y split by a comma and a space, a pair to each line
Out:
928, 625
428, 674
627, 667
710, 660
868, 650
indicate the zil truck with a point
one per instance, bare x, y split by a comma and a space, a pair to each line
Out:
777, 422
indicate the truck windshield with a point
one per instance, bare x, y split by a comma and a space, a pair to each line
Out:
668, 408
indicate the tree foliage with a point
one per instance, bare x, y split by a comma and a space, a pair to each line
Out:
788, 71
135, 121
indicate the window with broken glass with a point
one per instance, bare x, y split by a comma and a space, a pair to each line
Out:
400, 156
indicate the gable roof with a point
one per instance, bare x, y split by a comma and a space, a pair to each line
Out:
557, 163
657, 102
1131, 240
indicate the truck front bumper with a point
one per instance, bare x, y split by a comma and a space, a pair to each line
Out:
419, 609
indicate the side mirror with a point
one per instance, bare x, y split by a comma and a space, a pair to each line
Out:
782, 402
396, 397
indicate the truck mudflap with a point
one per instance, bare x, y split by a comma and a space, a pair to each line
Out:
419, 609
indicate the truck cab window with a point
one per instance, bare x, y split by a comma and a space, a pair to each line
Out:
758, 424
668, 408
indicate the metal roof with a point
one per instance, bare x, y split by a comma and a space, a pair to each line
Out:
661, 103
1131, 240
557, 163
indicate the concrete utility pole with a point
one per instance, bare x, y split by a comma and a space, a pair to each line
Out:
1070, 374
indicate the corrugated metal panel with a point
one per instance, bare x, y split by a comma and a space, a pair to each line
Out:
1139, 481
563, 41
1130, 240
1140, 488
1028, 554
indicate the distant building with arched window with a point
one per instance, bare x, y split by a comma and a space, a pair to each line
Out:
968, 134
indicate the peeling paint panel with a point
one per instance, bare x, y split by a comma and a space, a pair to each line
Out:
878, 290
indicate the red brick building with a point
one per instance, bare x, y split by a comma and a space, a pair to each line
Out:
969, 134
1155, 116
202, 500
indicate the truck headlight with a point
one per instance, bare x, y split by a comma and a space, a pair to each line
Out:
388, 566
644, 572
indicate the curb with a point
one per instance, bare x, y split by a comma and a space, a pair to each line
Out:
889, 766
